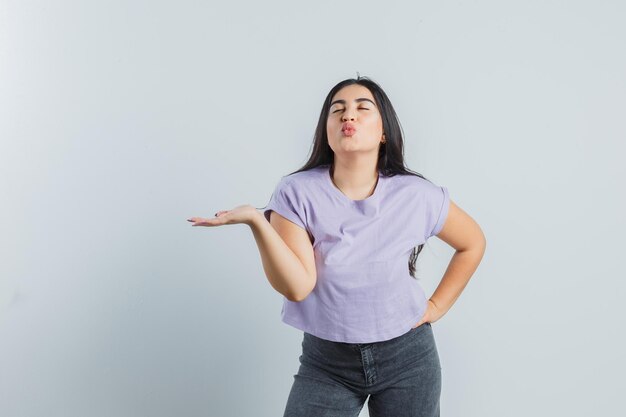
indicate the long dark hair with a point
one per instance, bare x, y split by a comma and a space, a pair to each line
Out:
390, 154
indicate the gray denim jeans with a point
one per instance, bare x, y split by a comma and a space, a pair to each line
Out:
401, 376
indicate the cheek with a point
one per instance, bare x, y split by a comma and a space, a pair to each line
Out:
331, 126
375, 122
373, 117
330, 134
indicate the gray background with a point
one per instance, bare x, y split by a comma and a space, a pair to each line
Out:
121, 119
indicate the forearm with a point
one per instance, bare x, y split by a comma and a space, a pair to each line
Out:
283, 268
461, 268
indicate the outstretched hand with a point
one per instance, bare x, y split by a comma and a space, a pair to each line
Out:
431, 315
240, 214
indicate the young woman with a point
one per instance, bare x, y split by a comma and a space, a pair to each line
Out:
338, 239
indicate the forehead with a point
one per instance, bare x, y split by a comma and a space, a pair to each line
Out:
351, 92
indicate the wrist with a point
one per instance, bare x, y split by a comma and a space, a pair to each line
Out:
256, 217
430, 300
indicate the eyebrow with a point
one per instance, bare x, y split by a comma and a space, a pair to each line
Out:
358, 100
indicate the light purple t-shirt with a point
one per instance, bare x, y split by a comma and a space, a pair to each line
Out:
364, 292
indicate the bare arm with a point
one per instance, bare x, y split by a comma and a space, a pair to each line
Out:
462, 233
287, 255
285, 248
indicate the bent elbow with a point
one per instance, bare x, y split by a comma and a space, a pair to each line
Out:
302, 295
293, 298
296, 298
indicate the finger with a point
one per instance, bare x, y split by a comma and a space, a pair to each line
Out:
195, 220
209, 222
419, 323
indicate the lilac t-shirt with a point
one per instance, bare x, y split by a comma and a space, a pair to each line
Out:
364, 292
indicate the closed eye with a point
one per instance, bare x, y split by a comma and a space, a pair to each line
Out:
360, 108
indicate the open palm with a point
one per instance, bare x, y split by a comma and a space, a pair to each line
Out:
239, 214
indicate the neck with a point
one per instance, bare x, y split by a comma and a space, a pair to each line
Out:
353, 178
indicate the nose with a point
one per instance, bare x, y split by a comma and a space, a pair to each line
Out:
347, 117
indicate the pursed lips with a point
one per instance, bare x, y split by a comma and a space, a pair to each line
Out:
347, 127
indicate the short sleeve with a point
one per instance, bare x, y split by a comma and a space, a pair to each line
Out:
286, 202
438, 206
